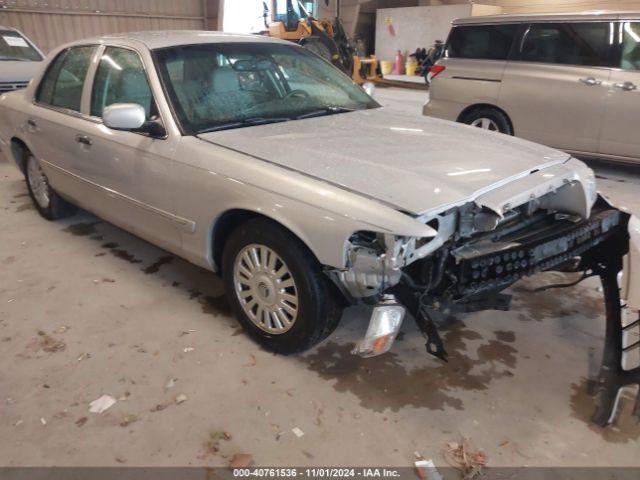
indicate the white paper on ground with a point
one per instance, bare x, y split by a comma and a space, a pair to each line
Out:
101, 404
428, 470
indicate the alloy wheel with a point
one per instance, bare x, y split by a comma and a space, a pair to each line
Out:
38, 182
485, 124
265, 289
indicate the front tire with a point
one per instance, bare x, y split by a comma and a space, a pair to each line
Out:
47, 202
488, 118
277, 288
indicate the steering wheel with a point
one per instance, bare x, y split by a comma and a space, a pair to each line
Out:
297, 93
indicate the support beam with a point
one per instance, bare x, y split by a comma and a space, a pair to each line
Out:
214, 13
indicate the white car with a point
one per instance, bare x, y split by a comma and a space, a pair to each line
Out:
20, 60
260, 161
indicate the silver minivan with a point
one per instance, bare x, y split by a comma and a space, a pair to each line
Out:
567, 81
20, 59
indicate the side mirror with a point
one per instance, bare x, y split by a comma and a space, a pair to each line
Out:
124, 116
370, 88
131, 117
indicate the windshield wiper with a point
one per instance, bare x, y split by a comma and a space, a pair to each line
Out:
13, 59
325, 111
245, 122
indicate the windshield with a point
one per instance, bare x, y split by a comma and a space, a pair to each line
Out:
218, 86
13, 46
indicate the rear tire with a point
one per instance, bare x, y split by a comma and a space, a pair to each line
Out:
490, 119
277, 288
47, 202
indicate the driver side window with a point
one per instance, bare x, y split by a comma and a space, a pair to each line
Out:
64, 81
121, 78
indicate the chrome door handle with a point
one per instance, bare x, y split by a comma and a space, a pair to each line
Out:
591, 81
84, 139
31, 123
626, 86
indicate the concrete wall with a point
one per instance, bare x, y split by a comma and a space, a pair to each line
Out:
414, 27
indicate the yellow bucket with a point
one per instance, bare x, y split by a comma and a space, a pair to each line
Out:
411, 68
386, 67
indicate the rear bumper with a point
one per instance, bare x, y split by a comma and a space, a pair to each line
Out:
443, 109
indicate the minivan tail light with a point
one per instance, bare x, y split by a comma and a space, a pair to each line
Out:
437, 70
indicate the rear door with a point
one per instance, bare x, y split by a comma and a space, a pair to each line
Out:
620, 132
475, 59
554, 89
56, 121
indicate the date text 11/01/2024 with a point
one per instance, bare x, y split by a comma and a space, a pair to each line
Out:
369, 472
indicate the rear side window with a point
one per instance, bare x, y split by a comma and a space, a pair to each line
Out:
487, 42
631, 46
583, 44
63, 83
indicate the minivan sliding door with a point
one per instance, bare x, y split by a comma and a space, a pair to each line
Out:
555, 87
621, 127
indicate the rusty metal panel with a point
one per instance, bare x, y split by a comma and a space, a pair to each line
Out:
50, 23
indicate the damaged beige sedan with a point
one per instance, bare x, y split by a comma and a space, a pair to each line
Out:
255, 159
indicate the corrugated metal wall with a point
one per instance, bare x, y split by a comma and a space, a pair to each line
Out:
50, 23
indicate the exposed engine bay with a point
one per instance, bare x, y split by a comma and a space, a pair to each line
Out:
478, 252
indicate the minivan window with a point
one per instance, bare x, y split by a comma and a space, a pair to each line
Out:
631, 46
585, 44
487, 42
63, 83
14, 47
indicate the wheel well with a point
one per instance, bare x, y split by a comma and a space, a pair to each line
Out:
18, 150
227, 223
478, 106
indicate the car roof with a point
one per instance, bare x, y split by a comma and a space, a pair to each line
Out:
550, 17
171, 38
2, 27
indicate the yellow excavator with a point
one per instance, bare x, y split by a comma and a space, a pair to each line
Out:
290, 20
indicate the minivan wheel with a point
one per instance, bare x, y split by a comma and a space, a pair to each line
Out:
489, 119
47, 202
277, 288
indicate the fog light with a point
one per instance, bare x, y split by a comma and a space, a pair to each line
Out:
384, 325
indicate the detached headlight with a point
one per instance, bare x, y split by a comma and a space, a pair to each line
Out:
385, 323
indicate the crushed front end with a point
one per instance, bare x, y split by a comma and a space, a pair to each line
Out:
486, 245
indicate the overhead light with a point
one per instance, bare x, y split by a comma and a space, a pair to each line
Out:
111, 62
632, 34
468, 172
401, 129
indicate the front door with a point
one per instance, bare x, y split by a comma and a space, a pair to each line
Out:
620, 135
555, 88
132, 170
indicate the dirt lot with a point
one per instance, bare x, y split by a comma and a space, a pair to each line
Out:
87, 309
